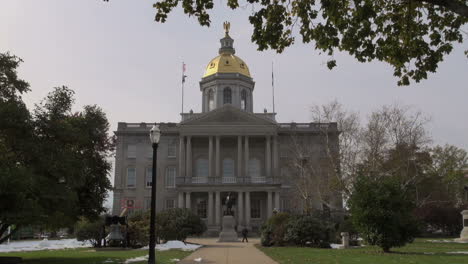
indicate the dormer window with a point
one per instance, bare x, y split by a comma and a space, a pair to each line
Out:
210, 100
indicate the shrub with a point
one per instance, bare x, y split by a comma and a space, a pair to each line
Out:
90, 231
178, 224
274, 230
138, 229
306, 230
443, 217
382, 212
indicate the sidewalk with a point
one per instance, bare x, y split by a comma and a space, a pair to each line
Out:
227, 253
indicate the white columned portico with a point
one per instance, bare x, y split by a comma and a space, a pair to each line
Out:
188, 166
246, 156
239, 156
210, 208
218, 170
188, 201
269, 205
181, 156
268, 156
181, 200
240, 208
247, 209
218, 209
210, 157
277, 200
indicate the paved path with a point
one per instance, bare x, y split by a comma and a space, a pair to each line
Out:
227, 253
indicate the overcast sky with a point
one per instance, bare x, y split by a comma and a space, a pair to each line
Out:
115, 55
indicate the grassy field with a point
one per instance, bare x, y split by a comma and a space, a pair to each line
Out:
91, 256
419, 252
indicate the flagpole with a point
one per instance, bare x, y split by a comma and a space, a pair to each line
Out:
273, 86
183, 82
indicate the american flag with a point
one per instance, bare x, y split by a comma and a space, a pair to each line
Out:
184, 68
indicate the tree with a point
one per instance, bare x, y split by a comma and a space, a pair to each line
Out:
178, 224
381, 211
91, 231
412, 36
53, 162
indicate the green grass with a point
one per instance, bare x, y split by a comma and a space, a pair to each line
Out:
419, 252
91, 256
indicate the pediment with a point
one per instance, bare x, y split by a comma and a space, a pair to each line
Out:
228, 115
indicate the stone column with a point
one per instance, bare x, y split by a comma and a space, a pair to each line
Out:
210, 157
240, 209
181, 200
188, 167
181, 156
188, 201
218, 209
218, 154
275, 157
269, 205
268, 156
247, 209
246, 156
210, 208
464, 232
277, 200
239, 156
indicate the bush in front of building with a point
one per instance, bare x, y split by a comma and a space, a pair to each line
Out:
178, 224
273, 231
92, 231
440, 217
308, 231
138, 229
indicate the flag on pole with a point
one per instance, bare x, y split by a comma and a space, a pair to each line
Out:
184, 68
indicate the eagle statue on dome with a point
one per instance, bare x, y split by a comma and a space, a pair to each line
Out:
227, 26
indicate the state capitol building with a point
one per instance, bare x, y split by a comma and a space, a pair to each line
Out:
227, 149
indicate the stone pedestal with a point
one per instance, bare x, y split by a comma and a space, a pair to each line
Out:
344, 240
227, 233
464, 232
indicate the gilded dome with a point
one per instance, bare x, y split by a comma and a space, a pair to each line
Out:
227, 63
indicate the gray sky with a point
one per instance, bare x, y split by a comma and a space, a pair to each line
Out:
116, 56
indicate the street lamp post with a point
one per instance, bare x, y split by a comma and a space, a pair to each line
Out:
155, 135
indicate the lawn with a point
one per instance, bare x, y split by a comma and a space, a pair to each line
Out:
419, 252
91, 256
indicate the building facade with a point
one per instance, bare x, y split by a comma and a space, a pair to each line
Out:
226, 150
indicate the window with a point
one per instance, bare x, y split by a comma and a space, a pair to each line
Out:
254, 167
228, 167
244, 100
131, 177
149, 177
255, 209
149, 152
210, 100
201, 208
170, 177
169, 204
171, 150
202, 168
147, 203
227, 96
131, 151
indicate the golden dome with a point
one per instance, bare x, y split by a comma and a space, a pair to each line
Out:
227, 63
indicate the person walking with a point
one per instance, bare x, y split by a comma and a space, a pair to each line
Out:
244, 235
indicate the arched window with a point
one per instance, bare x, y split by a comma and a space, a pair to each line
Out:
202, 167
228, 168
210, 100
254, 167
227, 96
244, 100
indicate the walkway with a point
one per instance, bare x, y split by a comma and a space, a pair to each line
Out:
227, 253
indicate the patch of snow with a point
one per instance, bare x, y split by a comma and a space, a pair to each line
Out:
198, 259
35, 245
137, 259
447, 241
457, 252
174, 260
175, 244
335, 246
